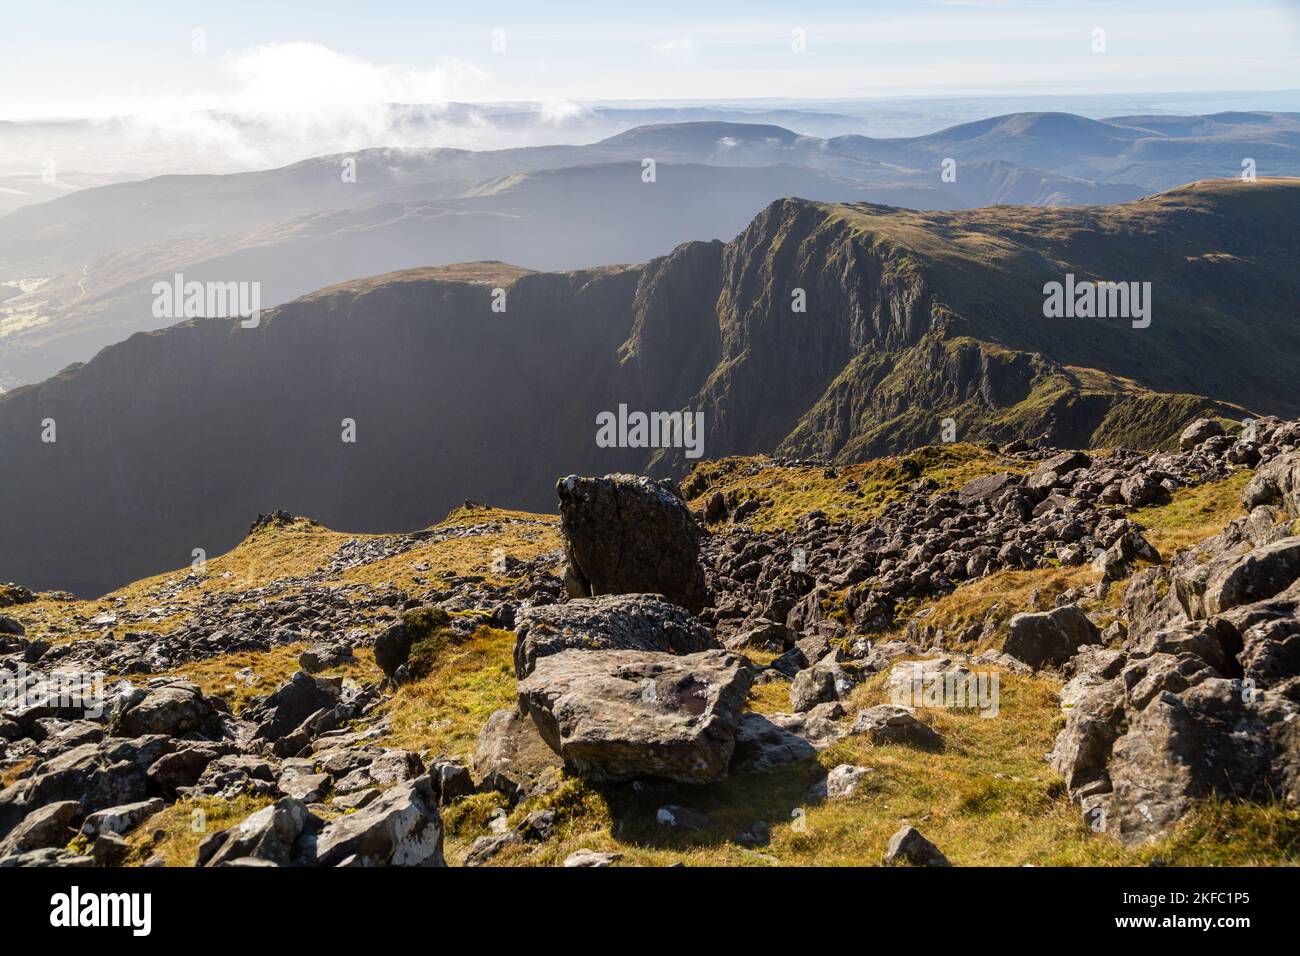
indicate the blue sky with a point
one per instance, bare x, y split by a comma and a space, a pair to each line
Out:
88, 59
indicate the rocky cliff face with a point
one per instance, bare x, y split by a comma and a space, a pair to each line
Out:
837, 331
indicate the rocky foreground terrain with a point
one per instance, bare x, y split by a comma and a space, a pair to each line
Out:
758, 666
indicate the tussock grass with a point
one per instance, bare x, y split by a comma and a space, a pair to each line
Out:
1193, 514
787, 494
1000, 595
185, 824
444, 712
243, 675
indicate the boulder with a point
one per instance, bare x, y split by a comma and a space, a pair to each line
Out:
761, 635
1197, 432
401, 828
888, 724
1049, 638
1233, 578
1047, 474
909, 846
121, 819
320, 657
825, 681
174, 710
762, 744
626, 534
1140, 489
484, 848
269, 834
630, 622
587, 857
1277, 482
292, 703
47, 826
1140, 749
623, 714
181, 768
986, 487
844, 779
511, 756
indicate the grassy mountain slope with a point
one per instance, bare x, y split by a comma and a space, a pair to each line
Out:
988, 798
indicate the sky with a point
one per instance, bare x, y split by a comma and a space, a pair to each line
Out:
89, 59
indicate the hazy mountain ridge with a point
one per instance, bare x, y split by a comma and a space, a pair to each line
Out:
911, 317
303, 226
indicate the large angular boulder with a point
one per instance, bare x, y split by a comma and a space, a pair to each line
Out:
1233, 579
511, 757
1049, 638
1049, 471
762, 744
1267, 637
825, 681
1277, 482
623, 714
401, 828
628, 622
1198, 431
285, 709
47, 826
270, 834
121, 819
1181, 747
1140, 749
173, 709
625, 534
986, 486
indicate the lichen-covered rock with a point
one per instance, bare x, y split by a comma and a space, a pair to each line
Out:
270, 834
1197, 432
512, 758
623, 714
626, 534
630, 622
401, 828
1049, 639
173, 709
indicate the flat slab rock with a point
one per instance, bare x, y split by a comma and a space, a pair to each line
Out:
632, 622
616, 715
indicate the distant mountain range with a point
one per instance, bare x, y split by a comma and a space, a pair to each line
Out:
80, 268
174, 439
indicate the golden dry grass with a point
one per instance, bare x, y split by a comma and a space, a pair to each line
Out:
788, 494
243, 675
988, 799
187, 823
444, 712
1193, 514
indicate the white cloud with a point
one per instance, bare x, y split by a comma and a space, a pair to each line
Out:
676, 51
286, 100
